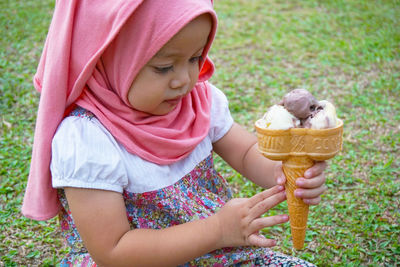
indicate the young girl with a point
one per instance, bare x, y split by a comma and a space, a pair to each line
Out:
126, 129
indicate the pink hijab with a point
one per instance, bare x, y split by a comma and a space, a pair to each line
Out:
93, 51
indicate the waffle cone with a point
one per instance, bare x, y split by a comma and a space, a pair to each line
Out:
294, 167
298, 148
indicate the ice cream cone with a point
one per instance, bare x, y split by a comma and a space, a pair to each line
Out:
298, 148
294, 167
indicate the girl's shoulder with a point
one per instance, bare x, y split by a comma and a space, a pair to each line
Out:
82, 127
221, 119
217, 93
85, 154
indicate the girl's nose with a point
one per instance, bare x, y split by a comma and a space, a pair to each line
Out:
181, 78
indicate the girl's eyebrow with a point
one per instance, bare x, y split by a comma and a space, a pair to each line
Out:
167, 54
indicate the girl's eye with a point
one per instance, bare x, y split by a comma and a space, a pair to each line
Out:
196, 59
163, 70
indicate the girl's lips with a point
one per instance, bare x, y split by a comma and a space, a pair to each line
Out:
174, 101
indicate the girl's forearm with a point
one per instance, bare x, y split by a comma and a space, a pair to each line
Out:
259, 169
166, 247
100, 217
239, 149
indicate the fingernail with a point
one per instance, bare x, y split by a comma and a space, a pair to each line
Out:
280, 188
297, 193
299, 182
280, 180
307, 174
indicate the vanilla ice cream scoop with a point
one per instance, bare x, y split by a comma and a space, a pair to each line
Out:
277, 117
324, 118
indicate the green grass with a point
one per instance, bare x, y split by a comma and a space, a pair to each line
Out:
344, 51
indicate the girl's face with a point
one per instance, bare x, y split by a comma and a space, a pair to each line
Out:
173, 71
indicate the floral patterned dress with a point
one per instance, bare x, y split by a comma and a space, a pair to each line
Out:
197, 195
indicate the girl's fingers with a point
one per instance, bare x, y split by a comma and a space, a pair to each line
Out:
313, 201
257, 198
256, 239
280, 176
264, 222
316, 169
310, 193
314, 182
261, 241
268, 203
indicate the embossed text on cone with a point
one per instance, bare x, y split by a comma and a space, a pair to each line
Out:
298, 148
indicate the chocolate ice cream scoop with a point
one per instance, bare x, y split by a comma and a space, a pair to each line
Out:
300, 103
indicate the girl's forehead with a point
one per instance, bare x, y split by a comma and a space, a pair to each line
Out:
193, 37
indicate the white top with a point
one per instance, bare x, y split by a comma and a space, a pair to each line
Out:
86, 155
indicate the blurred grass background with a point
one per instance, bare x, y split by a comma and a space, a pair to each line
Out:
343, 51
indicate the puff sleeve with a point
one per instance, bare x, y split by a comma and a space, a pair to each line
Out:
85, 155
221, 119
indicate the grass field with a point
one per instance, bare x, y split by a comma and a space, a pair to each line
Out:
344, 51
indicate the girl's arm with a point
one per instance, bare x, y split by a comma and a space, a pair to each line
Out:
100, 217
239, 149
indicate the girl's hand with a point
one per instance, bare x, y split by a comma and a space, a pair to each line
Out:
311, 186
240, 221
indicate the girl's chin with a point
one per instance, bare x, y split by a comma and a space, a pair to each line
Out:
163, 109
